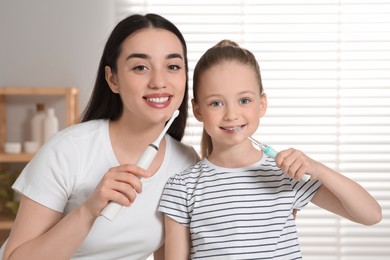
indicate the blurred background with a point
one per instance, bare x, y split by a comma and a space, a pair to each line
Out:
325, 66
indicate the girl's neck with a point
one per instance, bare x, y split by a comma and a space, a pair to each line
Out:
237, 156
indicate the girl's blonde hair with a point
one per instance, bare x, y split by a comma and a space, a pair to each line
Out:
225, 50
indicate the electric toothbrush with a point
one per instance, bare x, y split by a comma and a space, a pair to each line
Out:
268, 150
112, 208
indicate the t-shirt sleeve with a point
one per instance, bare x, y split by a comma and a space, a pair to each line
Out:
304, 192
49, 177
174, 200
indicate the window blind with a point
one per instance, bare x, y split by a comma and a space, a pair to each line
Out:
326, 71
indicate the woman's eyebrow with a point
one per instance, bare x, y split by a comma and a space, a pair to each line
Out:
146, 56
174, 56
138, 55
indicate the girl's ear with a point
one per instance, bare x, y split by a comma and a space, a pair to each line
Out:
263, 104
196, 111
111, 80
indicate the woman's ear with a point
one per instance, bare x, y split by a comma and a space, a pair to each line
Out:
263, 104
196, 111
111, 79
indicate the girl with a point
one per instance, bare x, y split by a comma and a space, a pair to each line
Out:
141, 81
237, 203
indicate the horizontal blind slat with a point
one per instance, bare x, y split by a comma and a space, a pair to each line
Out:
325, 67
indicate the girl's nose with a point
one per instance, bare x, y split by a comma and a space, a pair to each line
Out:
230, 113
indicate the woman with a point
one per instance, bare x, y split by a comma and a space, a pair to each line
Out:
141, 81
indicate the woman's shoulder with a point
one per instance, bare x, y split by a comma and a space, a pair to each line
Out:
80, 134
182, 150
85, 127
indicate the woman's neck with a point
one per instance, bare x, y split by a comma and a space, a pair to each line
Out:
130, 139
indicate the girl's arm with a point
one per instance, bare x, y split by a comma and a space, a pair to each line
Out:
160, 253
346, 198
337, 193
42, 233
177, 240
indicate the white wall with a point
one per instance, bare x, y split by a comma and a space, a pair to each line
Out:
51, 43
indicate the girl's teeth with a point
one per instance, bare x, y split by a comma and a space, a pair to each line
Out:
158, 100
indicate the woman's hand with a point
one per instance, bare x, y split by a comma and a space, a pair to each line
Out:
120, 184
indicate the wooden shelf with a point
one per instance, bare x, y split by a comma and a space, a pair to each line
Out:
70, 94
6, 222
15, 158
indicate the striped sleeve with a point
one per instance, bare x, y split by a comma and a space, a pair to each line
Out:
304, 192
174, 201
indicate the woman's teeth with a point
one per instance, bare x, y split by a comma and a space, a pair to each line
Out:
158, 100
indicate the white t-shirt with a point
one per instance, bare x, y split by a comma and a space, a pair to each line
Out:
66, 170
240, 213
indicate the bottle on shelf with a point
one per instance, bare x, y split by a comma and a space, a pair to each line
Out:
37, 124
50, 124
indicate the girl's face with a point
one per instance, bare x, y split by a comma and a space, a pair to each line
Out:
228, 97
151, 75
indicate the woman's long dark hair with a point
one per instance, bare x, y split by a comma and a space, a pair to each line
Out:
104, 104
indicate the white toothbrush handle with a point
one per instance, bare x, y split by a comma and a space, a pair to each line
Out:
268, 150
113, 208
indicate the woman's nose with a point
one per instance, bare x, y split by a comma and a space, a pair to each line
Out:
157, 80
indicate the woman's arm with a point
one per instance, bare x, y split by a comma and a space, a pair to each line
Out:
41, 233
177, 240
337, 193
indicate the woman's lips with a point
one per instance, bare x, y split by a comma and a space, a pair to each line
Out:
158, 101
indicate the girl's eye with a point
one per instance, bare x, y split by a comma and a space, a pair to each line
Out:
174, 67
215, 103
245, 101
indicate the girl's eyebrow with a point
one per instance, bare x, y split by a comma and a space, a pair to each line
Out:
245, 92
146, 56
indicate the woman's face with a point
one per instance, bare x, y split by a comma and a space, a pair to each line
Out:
151, 75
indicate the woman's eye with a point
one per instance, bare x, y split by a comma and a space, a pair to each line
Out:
140, 68
174, 67
244, 101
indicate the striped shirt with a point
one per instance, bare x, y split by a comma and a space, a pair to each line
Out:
239, 213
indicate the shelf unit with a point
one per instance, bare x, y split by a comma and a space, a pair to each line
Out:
71, 95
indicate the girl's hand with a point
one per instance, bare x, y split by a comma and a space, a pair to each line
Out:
295, 163
120, 184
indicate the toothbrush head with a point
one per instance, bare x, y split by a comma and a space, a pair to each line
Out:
175, 114
237, 129
158, 140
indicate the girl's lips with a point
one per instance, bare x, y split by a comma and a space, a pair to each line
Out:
232, 129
